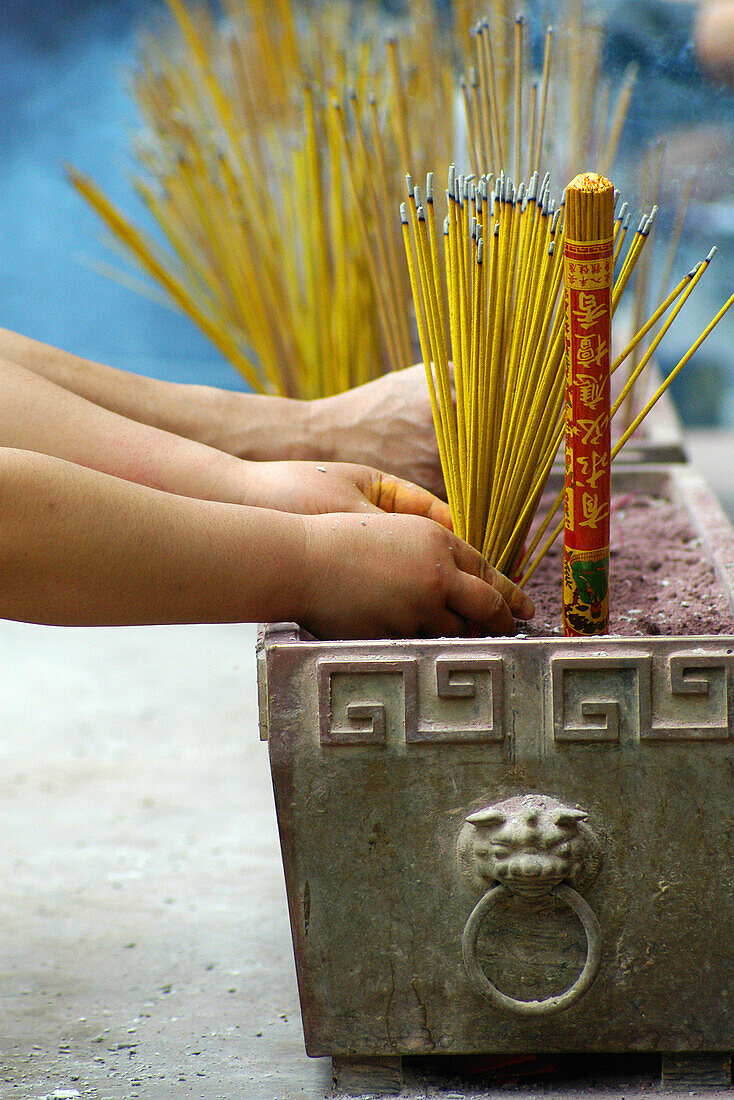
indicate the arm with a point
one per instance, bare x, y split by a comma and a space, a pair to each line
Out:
201, 413
386, 423
82, 548
38, 415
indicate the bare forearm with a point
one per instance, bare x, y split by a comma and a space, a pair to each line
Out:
81, 548
248, 425
38, 415
714, 38
78, 547
386, 423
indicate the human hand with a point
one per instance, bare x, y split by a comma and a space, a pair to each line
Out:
714, 38
385, 576
386, 423
314, 488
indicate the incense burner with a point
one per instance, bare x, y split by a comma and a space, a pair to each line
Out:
501, 845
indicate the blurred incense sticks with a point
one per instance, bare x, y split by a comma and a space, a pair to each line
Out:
537, 120
272, 157
276, 142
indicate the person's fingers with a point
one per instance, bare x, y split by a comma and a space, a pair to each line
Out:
449, 625
480, 603
393, 494
471, 561
518, 601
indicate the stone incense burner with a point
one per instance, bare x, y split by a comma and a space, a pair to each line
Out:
516, 844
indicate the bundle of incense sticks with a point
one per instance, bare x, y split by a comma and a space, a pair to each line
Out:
274, 206
587, 280
642, 288
495, 334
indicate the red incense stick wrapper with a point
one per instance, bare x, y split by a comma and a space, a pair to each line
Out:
588, 264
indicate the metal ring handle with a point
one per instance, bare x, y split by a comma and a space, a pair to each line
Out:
481, 982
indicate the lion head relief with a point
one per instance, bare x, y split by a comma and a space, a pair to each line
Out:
529, 844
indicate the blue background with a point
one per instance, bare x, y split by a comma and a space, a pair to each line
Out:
64, 77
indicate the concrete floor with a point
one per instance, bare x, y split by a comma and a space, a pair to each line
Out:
143, 930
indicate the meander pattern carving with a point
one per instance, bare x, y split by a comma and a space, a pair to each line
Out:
624, 698
382, 690
591, 699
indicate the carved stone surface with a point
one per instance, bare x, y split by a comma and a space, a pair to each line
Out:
529, 847
685, 696
381, 751
529, 844
620, 698
444, 700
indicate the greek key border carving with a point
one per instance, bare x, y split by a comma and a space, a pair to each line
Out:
451, 678
607, 730
450, 684
680, 682
679, 679
365, 709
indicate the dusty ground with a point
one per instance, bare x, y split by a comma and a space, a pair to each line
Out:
143, 931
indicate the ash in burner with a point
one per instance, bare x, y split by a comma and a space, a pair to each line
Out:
660, 582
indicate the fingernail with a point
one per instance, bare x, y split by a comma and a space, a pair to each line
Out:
528, 608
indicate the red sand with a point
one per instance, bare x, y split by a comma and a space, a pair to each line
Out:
660, 582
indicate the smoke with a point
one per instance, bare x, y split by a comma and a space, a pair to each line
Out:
64, 67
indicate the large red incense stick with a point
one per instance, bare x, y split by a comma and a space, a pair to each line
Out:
588, 264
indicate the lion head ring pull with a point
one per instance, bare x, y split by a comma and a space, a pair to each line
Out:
530, 847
